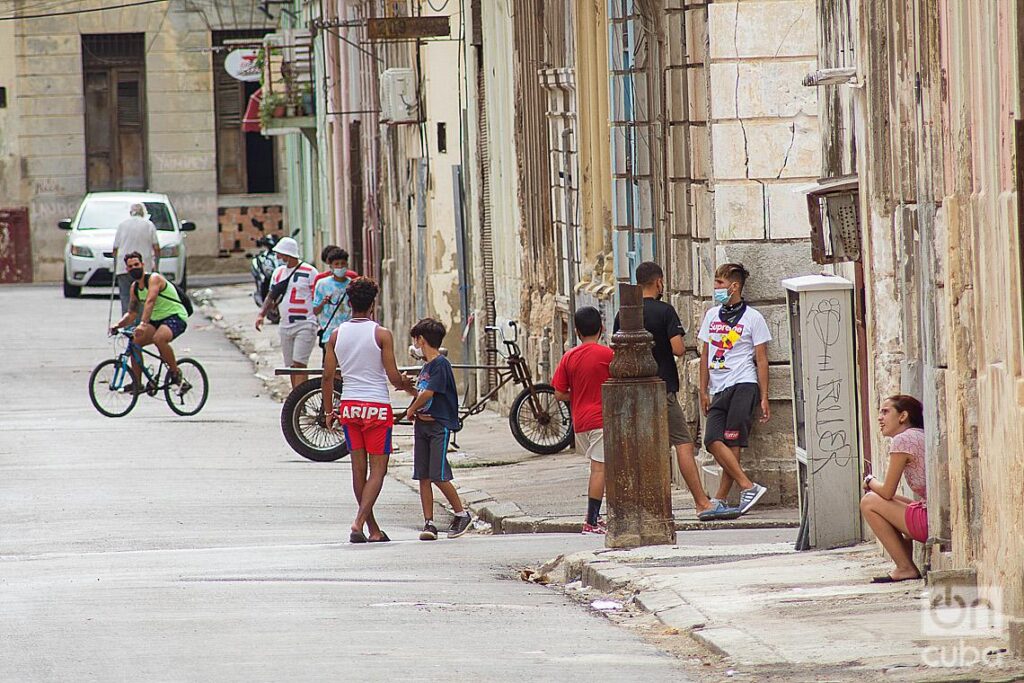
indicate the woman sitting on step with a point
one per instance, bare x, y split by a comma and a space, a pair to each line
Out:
898, 521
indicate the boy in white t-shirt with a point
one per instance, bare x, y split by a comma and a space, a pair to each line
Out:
733, 381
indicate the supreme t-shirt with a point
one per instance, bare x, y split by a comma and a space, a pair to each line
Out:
731, 349
580, 373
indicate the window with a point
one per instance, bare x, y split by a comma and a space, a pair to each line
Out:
245, 161
114, 67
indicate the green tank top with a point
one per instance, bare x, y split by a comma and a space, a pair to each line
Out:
167, 302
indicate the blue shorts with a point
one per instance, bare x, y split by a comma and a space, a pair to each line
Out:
430, 452
175, 324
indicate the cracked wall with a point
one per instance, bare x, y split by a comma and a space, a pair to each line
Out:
762, 144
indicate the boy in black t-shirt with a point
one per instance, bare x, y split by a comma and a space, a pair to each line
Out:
435, 413
662, 321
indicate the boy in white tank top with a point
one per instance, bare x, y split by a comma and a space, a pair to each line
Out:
363, 353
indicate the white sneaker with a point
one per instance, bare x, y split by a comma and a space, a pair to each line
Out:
749, 497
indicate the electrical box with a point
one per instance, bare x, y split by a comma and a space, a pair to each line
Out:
399, 102
825, 414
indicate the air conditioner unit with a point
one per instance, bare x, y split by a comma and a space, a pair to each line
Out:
399, 102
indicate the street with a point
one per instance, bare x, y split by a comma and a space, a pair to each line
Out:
156, 547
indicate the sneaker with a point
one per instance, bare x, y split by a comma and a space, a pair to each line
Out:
460, 525
750, 497
718, 510
596, 529
429, 532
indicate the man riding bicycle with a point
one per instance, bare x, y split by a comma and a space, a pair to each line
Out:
161, 315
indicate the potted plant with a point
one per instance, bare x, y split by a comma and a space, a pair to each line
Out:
272, 107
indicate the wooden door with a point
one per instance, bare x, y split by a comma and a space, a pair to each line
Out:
15, 246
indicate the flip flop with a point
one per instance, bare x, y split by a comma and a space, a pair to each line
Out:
357, 537
889, 579
383, 538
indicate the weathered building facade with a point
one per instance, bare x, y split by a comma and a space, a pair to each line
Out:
135, 98
921, 104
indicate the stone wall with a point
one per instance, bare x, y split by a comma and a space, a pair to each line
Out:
764, 144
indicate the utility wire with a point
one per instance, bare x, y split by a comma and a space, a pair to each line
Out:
81, 11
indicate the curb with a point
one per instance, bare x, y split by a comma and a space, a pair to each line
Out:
671, 609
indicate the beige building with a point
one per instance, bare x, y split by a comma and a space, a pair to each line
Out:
135, 99
922, 109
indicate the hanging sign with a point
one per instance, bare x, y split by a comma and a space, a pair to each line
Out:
407, 28
241, 64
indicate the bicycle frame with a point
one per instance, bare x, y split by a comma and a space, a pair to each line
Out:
134, 351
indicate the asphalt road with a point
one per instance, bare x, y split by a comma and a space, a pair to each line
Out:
155, 547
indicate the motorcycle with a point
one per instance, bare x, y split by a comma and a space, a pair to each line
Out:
262, 268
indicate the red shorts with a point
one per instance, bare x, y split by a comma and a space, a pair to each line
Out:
367, 426
916, 518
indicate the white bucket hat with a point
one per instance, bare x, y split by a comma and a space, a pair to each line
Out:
287, 247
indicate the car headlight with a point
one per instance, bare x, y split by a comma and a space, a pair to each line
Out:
170, 251
77, 250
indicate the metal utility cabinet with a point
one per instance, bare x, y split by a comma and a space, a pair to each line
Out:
823, 347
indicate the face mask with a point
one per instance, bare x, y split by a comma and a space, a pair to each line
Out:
339, 272
279, 260
722, 296
136, 273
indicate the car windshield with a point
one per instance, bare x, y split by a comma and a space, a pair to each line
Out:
108, 214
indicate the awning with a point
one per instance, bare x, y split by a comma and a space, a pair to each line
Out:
251, 119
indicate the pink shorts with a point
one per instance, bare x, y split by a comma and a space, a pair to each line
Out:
916, 518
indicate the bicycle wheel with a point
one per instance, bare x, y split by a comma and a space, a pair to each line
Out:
189, 397
541, 425
106, 388
302, 426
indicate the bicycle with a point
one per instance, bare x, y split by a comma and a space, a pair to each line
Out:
538, 421
110, 379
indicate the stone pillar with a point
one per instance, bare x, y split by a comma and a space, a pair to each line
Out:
636, 436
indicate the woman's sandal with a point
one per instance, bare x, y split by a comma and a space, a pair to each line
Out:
889, 579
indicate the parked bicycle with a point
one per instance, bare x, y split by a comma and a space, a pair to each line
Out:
110, 384
538, 421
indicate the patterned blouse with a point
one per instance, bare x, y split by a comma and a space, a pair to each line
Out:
911, 442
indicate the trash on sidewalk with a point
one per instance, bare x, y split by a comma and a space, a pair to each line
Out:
606, 605
534, 576
480, 525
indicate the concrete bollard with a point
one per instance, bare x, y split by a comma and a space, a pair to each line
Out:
637, 468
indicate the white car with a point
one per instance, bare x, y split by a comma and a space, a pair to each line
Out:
89, 252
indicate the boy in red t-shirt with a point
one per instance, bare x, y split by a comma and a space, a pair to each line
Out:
578, 379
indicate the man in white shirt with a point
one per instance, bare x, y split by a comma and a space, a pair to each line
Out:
291, 290
734, 366
135, 233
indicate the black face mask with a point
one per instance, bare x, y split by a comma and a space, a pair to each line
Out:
136, 273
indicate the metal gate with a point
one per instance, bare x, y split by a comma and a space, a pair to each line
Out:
15, 246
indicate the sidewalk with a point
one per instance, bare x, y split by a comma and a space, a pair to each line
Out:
513, 490
778, 614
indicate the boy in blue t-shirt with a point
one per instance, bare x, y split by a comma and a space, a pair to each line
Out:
435, 413
330, 303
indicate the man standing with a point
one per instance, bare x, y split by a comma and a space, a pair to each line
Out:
662, 321
135, 234
736, 371
291, 288
363, 353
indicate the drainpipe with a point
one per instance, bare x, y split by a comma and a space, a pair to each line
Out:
338, 69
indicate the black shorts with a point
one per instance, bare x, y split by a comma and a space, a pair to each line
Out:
430, 451
175, 324
732, 414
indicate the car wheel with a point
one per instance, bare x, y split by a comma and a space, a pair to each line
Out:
70, 291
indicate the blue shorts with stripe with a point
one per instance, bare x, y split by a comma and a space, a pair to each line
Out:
430, 452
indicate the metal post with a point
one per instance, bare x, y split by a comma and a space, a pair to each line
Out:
638, 475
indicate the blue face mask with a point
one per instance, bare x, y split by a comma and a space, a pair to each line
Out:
722, 296
340, 272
